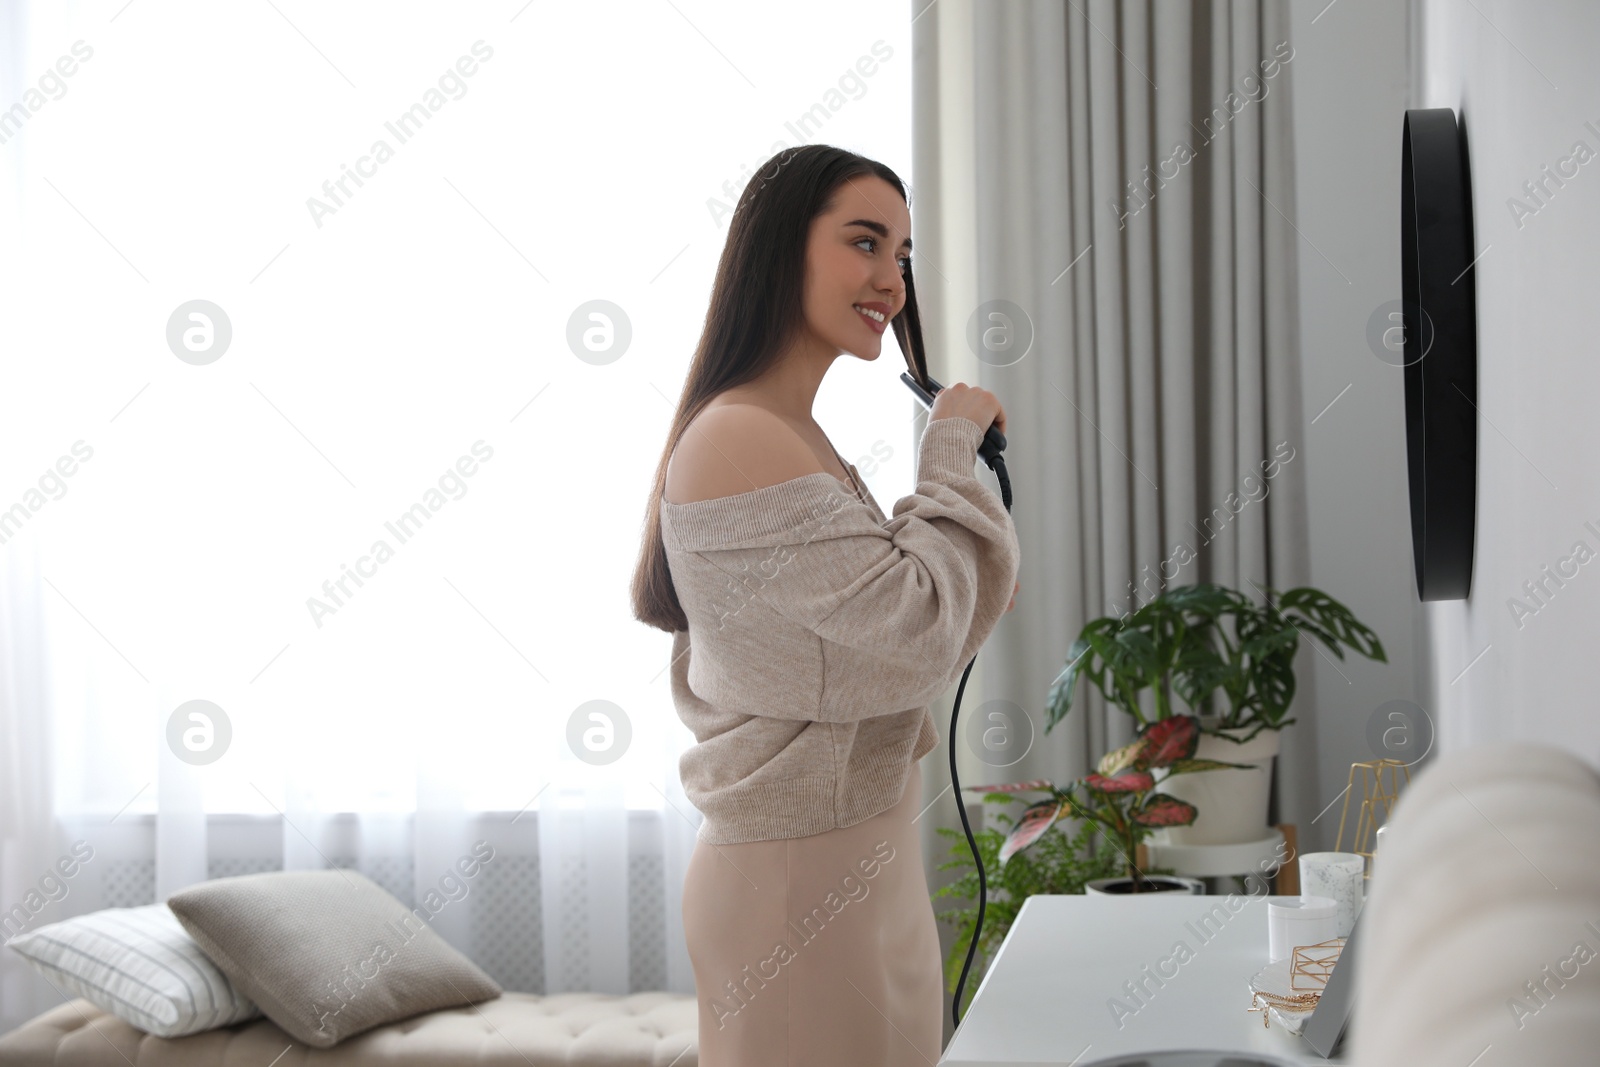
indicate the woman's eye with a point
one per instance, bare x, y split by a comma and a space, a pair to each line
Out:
905, 261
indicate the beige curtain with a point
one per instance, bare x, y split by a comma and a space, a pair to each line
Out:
1162, 368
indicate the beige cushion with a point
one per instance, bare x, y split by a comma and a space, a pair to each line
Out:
515, 1030
326, 954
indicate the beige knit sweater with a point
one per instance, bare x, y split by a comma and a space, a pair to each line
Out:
819, 630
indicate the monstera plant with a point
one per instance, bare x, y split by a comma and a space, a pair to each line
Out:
1176, 645
1120, 795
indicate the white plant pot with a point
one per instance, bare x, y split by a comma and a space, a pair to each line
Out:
1232, 802
1169, 883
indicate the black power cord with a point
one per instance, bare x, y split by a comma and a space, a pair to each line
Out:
993, 443
997, 465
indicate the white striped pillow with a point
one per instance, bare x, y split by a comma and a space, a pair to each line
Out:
139, 964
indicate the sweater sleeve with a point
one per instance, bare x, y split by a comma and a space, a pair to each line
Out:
917, 595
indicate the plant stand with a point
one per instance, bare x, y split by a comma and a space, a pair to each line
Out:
1218, 861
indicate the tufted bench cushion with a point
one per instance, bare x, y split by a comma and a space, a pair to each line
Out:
513, 1030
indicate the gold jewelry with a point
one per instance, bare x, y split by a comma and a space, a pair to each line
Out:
1312, 963
1293, 1002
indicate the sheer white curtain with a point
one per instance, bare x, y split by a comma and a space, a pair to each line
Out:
385, 532
30, 839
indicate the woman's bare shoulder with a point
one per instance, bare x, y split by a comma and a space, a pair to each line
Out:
736, 447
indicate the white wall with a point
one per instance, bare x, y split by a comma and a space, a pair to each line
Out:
1523, 78
1349, 93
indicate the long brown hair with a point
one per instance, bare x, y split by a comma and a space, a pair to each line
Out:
755, 308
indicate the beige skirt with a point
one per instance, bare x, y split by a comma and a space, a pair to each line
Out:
817, 950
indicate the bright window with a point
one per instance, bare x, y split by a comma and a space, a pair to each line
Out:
399, 317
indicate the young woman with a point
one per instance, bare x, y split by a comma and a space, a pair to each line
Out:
811, 631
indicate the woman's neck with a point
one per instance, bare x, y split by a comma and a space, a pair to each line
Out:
790, 385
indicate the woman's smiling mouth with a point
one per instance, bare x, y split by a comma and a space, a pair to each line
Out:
875, 315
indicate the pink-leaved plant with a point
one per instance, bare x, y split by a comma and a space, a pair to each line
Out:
1120, 795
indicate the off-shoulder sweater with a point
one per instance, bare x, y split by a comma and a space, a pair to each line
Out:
820, 630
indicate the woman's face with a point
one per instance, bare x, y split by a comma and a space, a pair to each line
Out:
853, 260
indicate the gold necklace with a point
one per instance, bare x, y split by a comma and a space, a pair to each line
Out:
1294, 1002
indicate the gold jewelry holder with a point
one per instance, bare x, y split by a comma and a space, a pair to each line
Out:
1311, 964
1374, 793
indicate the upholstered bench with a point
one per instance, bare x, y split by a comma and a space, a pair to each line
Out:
512, 1030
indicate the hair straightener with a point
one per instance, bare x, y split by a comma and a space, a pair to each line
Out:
994, 442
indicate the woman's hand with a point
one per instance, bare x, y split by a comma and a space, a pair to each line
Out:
959, 400
970, 402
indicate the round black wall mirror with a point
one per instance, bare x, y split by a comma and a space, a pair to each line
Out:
1440, 350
